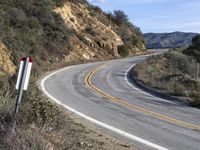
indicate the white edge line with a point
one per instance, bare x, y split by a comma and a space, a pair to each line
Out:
131, 85
111, 128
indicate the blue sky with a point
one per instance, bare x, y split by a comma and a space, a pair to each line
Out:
158, 15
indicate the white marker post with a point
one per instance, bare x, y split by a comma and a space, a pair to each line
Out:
22, 83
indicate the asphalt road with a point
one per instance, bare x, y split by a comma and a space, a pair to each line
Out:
101, 93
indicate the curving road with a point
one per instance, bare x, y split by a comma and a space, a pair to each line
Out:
101, 93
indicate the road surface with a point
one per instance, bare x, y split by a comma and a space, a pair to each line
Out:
101, 93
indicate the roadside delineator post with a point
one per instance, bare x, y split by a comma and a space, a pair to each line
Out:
22, 83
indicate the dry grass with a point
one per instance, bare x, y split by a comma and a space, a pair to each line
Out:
172, 73
44, 126
62, 134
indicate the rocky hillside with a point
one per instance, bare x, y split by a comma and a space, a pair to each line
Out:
54, 31
168, 40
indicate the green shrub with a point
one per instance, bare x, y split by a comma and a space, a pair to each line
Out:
196, 98
196, 41
44, 111
123, 50
16, 17
194, 49
37, 108
178, 62
120, 17
33, 23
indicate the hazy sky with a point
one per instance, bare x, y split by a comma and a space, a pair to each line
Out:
158, 15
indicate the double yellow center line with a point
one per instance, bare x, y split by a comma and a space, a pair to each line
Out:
133, 106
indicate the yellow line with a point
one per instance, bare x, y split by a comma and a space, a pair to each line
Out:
133, 106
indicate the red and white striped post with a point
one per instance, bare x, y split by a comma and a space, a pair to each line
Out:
22, 83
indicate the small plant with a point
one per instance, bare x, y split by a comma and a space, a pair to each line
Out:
41, 110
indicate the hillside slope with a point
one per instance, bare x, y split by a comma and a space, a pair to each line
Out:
54, 31
168, 40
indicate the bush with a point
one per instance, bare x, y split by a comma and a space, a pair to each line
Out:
16, 17
123, 50
33, 23
196, 97
120, 17
194, 49
36, 108
90, 30
196, 41
179, 62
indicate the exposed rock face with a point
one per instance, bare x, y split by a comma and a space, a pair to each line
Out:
6, 65
99, 39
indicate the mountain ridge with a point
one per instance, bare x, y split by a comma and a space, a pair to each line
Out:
169, 40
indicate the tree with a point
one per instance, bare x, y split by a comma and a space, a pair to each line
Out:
120, 17
194, 49
196, 41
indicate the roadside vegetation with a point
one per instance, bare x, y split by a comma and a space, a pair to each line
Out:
175, 72
41, 125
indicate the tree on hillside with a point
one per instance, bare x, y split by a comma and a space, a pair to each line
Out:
120, 17
194, 49
196, 41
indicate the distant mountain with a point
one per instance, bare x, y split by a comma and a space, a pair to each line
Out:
168, 40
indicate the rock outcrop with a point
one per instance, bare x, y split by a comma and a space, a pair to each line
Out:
96, 35
6, 64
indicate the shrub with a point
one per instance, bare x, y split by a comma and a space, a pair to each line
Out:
36, 108
90, 30
196, 41
196, 97
33, 23
120, 17
123, 50
16, 17
179, 62
194, 49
